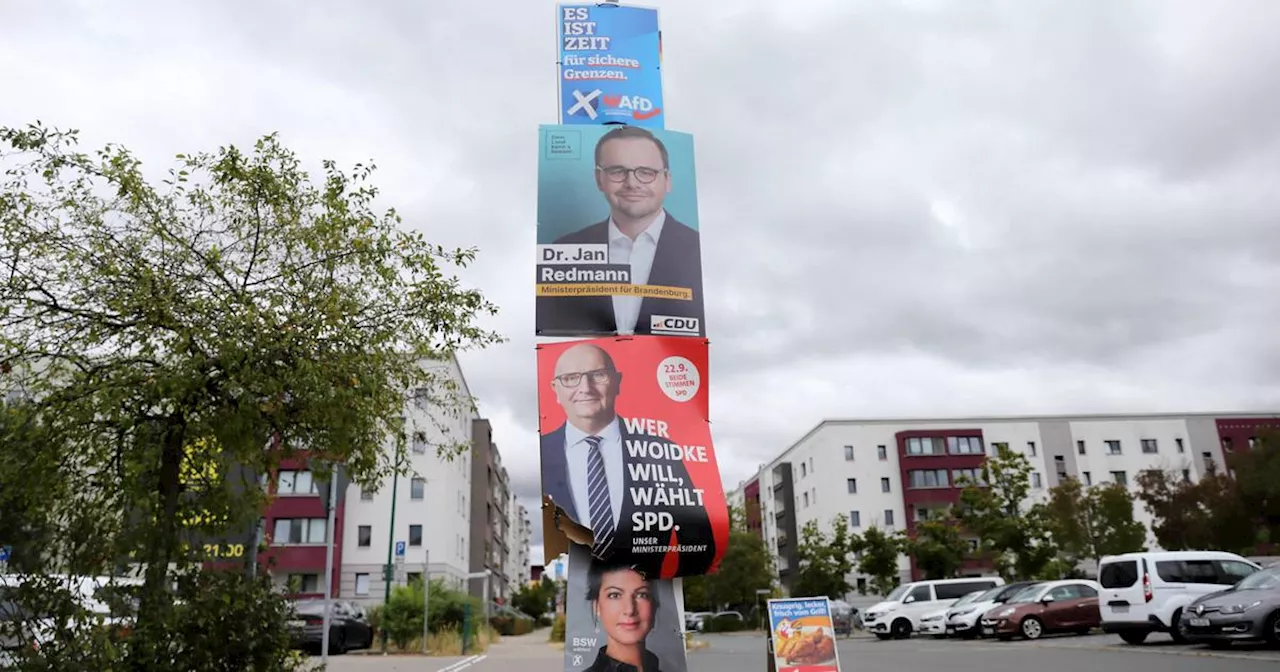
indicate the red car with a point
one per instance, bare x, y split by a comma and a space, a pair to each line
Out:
1050, 607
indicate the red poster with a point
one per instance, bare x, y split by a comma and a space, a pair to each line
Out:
626, 450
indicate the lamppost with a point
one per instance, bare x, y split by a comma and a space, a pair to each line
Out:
388, 570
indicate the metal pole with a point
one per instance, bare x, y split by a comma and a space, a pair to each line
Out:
328, 565
426, 601
391, 544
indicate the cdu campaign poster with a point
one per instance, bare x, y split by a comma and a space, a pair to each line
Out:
803, 635
610, 65
627, 461
615, 617
619, 246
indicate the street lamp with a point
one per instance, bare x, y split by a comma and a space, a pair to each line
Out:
388, 571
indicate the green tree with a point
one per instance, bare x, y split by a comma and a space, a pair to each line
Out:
937, 546
535, 599
994, 510
235, 313
1088, 523
878, 553
745, 568
825, 560
1257, 475
1209, 513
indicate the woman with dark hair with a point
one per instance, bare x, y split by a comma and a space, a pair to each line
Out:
623, 606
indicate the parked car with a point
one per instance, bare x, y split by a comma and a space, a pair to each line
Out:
1054, 606
843, 617
934, 623
898, 615
1148, 592
963, 620
1246, 612
347, 630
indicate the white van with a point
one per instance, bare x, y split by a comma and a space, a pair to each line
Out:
899, 614
1145, 592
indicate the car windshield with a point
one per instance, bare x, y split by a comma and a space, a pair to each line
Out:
989, 595
897, 593
1029, 594
968, 599
1267, 579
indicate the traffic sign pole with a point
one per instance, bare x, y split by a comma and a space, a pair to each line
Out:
328, 567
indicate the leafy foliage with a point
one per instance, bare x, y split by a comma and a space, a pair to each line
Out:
745, 568
535, 600
170, 336
447, 608
937, 546
994, 511
1257, 476
878, 559
1088, 523
825, 559
1209, 513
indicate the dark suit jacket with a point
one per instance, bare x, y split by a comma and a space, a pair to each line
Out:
604, 663
695, 524
676, 263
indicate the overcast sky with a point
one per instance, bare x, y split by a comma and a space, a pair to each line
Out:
910, 208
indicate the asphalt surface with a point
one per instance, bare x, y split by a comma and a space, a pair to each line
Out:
745, 653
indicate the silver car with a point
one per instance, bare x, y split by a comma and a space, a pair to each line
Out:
1249, 611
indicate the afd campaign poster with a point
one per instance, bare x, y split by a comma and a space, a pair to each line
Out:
614, 615
627, 454
610, 65
619, 247
804, 638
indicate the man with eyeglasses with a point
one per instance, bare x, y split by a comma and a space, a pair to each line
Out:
584, 466
633, 173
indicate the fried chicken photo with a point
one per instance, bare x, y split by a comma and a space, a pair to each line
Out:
807, 649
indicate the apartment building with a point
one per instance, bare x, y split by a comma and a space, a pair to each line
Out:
490, 517
894, 473
519, 534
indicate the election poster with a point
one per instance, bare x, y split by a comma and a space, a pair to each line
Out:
615, 616
803, 635
610, 65
619, 247
627, 462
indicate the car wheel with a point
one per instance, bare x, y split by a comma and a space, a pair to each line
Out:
901, 629
338, 643
1176, 632
1134, 637
883, 636
1271, 634
1032, 628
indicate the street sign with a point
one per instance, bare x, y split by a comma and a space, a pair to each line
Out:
400, 548
5, 551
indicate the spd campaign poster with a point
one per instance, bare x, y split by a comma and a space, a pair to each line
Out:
610, 65
615, 615
626, 452
619, 246
804, 638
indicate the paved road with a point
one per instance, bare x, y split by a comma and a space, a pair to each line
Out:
745, 653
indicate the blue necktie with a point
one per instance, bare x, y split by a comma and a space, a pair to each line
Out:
602, 526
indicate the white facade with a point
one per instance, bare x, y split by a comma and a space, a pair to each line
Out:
852, 467
432, 514
519, 532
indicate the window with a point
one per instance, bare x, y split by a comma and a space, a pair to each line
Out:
1209, 466
1227, 445
299, 531
291, 482
815, 495
1149, 446
417, 488
806, 500
305, 583
958, 589
1113, 447
882, 452
1253, 442
925, 445
973, 476
848, 453
862, 586
1060, 465
419, 442
1120, 477
964, 445
1031, 448
1036, 483
1186, 475
413, 577
366, 494
1122, 574
927, 478
852, 485
415, 535
804, 469
1080, 447
884, 485
811, 464
1178, 443
855, 519
364, 536
1088, 477
362, 584
888, 517
921, 594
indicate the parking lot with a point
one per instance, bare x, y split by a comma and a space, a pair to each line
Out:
745, 652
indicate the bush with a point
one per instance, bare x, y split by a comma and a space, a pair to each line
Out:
557, 629
725, 624
402, 615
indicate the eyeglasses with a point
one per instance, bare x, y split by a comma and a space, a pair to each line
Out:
598, 377
643, 174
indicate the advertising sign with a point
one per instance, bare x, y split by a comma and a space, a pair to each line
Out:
804, 638
619, 247
610, 65
616, 617
627, 454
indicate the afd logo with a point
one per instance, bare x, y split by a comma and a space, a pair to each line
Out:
668, 323
641, 107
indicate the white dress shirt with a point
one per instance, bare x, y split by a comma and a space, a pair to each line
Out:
638, 254
577, 451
